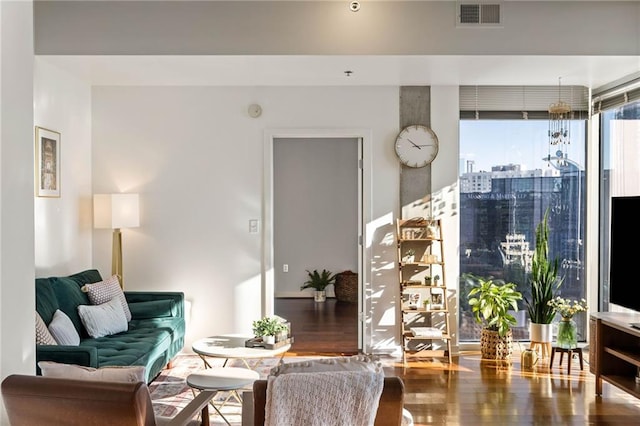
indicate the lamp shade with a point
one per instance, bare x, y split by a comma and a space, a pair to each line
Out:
115, 211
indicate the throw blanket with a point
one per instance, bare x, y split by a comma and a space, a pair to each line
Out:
346, 398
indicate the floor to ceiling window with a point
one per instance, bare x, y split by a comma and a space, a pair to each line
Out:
510, 175
620, 177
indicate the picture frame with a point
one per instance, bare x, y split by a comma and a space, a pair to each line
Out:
437, 299
47, 168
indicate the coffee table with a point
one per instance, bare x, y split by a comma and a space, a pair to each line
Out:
221, 379
232, 346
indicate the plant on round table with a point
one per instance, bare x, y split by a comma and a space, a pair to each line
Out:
268, 326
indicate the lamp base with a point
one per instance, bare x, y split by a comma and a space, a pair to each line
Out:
116, 256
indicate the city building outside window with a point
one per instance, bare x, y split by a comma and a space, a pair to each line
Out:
509, 176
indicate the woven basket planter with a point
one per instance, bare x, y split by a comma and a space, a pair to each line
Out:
346, 287
493, 346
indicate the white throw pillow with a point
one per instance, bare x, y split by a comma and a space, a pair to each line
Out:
62, 329
43, 336
339, 363
103, 291
104, 374
103, 320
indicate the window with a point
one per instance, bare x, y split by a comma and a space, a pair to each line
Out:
510, 175
620, 152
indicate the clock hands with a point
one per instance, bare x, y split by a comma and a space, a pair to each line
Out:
417, 146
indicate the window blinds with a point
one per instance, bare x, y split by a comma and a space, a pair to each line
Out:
616, 96
520, 102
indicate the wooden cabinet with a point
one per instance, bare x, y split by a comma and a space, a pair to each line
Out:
424, 312
614, 351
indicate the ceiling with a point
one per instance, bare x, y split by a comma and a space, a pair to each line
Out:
301, 70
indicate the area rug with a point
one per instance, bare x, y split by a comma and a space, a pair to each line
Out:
170, 392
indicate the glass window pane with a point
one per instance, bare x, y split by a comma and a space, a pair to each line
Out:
509, 176
620, 148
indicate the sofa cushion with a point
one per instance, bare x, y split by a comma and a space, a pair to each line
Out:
103, 320
103, 291
43, 336
62, 329
69, 298
46, 301
153, 309
86, 277
103, 374
135, 347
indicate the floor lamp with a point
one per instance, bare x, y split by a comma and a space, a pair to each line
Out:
116, 211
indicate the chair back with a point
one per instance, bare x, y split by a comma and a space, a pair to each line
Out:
390, 408
38, 400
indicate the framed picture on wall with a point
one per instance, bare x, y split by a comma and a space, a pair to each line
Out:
47, 163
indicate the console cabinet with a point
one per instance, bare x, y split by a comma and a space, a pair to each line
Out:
614, 350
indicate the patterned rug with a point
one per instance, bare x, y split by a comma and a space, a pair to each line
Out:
170, 392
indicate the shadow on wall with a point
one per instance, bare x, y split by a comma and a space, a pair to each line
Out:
383, 293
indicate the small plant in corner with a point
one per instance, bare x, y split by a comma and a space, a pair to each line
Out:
319, 280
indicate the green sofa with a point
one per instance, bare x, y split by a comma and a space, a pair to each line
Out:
155, 333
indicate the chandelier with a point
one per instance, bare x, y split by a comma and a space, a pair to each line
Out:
559, 115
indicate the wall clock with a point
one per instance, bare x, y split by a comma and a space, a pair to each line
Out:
416, 146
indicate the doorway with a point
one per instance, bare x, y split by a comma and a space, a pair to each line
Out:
313, 220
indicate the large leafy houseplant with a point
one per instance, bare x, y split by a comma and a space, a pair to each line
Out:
491, 303
544, 280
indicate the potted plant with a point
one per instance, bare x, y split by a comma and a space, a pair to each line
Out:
409, 256
269, 328
491, 302
436, 279
544, 282
319, 282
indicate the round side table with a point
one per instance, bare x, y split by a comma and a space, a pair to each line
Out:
221, 379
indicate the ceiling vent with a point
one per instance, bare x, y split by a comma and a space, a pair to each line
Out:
479, 14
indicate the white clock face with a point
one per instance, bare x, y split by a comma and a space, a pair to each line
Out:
416, 146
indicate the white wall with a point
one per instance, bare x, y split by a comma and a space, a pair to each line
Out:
63, 226
195, 157
444, 186
17, 321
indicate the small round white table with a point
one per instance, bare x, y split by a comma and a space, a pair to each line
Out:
233, 347
222, 379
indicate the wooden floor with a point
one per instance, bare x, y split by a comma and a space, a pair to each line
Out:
320, 327
471, 391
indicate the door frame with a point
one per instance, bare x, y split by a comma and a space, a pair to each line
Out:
364, 137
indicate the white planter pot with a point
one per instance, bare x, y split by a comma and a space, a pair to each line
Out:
540, 332
270, 340
320, 295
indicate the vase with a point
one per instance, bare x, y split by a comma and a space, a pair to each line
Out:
540, 333
269, 340
319, 295
494, 346
567, 334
